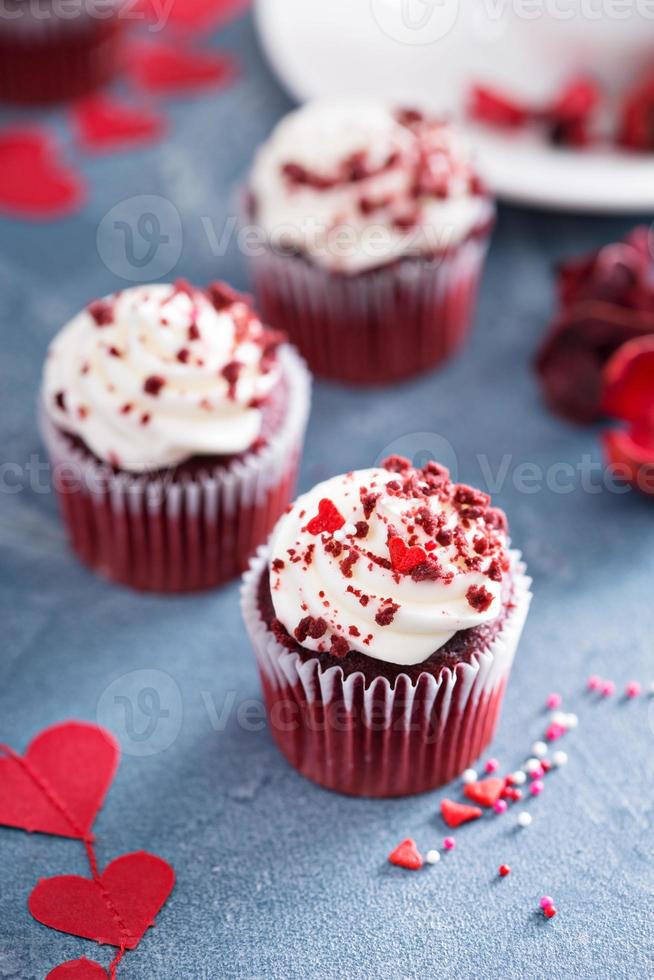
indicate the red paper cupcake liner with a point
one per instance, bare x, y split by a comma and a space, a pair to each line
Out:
381, 740
377, 326
187, 534
51, 60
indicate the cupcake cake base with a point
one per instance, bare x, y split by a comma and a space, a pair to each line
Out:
394, 735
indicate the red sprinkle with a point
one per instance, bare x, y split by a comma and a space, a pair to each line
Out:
503, 870
454, 814
328, 518
407, 855
102, 312
549, 912
153, 384
403, 558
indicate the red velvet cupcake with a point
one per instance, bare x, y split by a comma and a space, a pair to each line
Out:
385, 615
375, 227
174, 423
51, 50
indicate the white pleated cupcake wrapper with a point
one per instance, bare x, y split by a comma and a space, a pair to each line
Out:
226, 492
468, 683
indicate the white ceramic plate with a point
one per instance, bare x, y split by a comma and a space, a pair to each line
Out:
431, 51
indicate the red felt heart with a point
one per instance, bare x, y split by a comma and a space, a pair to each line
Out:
174, 69
328, 518
35, 182
454, 814
60, 783
403, 558
78, 970
195, 15
407, 855
103, 123
486, 792
117, 909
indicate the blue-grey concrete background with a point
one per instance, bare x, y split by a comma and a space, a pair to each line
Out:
277, 878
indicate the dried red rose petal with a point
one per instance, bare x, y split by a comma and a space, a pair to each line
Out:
487, 105
622, 272
630, 454
629, 382
636, 129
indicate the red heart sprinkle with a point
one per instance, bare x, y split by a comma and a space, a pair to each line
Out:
486, 792
407, 855
490, 106
60, 784
629, 382
117, 909
175, 69
454, 814
78, 970
403, 558
327, 519
104, 123
36, 183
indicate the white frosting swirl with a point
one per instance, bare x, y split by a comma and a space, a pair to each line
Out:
369, 595
154, 375
419, 196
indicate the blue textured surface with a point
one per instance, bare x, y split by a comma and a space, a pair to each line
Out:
277, 878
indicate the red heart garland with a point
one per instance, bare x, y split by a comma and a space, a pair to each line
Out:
328, 518
117, 908
406, 855
486, 792
403, 558
60, 784
36, 183
104, 123
78, 970
454, 814
176, 70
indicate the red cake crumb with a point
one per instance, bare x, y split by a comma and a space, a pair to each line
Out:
60, 400
101, 311
479, 597
386, 614
339, 647
194, 331
153, 384
312, 627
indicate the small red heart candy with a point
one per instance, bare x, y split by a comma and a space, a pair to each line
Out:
328, 518
78, 970
407, 855
36, 181
454, 814
174, 69
404, 559
486, 792
104, 123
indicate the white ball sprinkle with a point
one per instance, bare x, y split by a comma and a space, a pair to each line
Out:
532, 765
559, 718
651, 687
469, 776
349, 529
571, 721
539, 749
339, 535
560, 758
524, 819
519, 777
432, 857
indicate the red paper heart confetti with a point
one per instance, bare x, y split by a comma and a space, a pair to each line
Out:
176, 70
78, 970
59, 785
328, 519
36, 182
454, 814
104, 123
403, 558
117, 908
196, 15
486, 792
407, 855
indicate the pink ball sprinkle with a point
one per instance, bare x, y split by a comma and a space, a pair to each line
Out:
449, 843
594, 682
537, 787
537, 773
546, 901
554, 700
492, 765
555, 731
608, 688
500, 806
633, 689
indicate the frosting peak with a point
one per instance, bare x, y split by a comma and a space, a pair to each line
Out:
389, 562
154, 375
